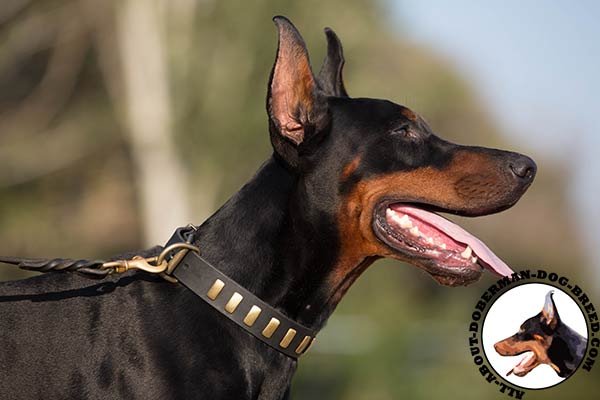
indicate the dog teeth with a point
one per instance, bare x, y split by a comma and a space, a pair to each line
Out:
466, 253
474, 259
396, 218
443, 246
430, 240
391, 214
405, 222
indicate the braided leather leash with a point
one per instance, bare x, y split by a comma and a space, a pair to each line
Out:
91, 268
163, 264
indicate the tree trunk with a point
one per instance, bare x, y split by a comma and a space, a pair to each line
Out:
160, 177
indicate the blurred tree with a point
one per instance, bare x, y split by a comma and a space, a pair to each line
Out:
161, 179
100, 100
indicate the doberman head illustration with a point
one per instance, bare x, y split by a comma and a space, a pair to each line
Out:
544, 339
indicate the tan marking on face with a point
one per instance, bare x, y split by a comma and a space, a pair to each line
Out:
410, 114
511, 346
442, 187
349, 168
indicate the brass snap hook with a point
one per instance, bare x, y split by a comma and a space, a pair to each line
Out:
137, 262
154, 265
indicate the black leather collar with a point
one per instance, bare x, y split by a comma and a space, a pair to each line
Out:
238, 304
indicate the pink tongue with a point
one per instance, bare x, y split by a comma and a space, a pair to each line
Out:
521, 366
490, 260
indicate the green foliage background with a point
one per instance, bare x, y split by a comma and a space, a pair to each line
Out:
67, 187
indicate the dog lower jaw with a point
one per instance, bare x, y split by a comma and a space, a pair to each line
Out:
450, 276
527, 363
457, 280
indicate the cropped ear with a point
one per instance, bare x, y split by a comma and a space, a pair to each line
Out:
297, 109
549, 315
330, 77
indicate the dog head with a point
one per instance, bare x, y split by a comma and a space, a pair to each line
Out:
376, 170
533, 339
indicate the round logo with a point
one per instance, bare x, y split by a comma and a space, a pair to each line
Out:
533, 330
535, 336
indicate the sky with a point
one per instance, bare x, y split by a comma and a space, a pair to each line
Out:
536, 66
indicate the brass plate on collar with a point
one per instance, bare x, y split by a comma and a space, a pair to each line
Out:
287, 339
271, 328
215, 289
233, 302
252, 315
305, 342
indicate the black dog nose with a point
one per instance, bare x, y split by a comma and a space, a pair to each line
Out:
523, 167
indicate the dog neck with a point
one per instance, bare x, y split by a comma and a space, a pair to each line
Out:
279, 245
566, 350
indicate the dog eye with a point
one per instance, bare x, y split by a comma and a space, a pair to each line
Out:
404, 131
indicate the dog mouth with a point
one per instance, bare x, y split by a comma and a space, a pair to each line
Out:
525, 364
449, 253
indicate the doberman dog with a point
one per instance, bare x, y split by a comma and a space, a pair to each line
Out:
350, 180
544, 339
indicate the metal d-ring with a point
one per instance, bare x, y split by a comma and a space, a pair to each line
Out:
174, 261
